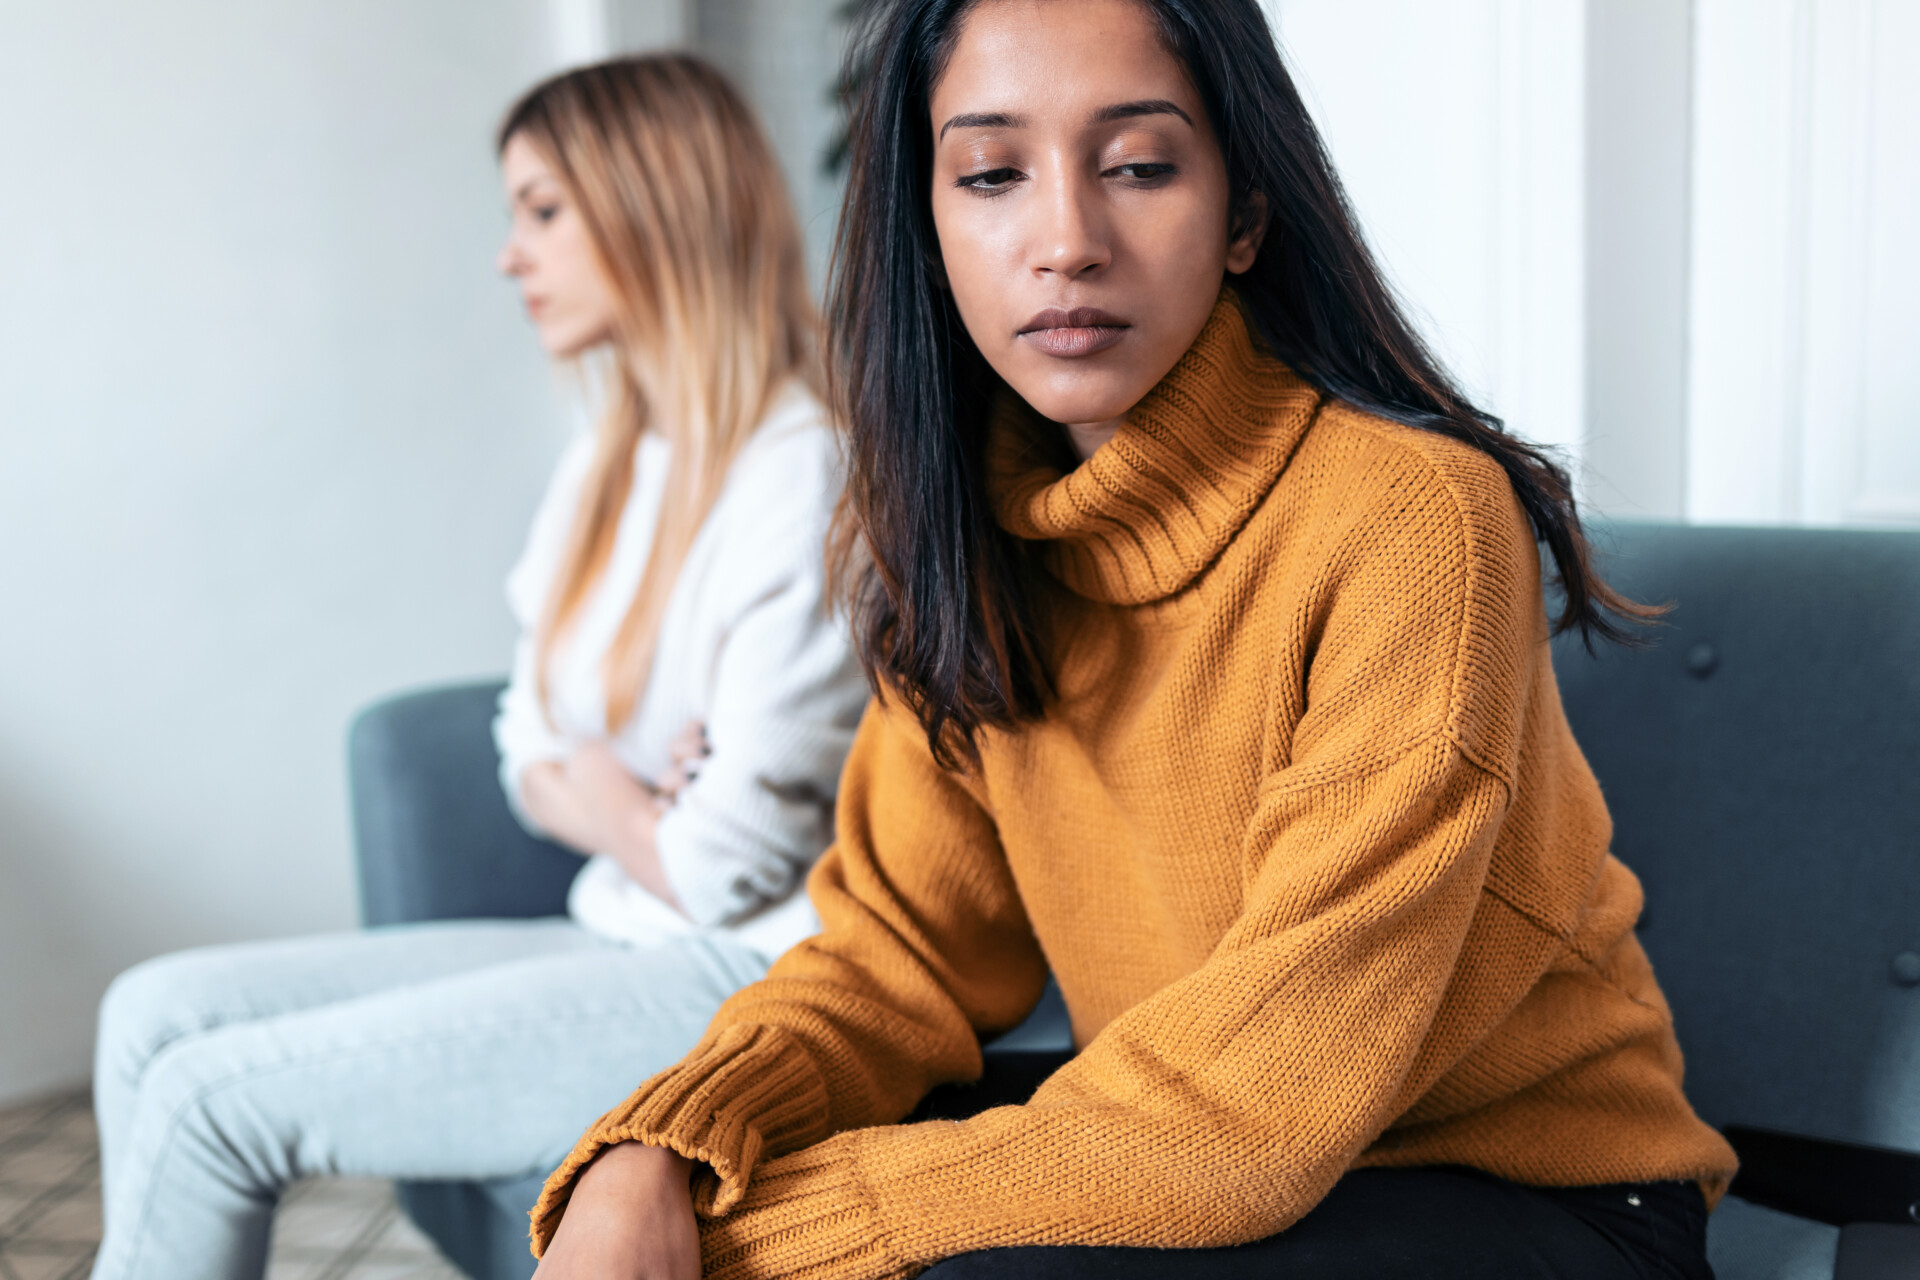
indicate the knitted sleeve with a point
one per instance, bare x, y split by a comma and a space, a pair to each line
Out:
925, 950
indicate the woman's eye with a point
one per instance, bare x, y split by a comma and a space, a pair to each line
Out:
546, 212
989, 180
1144, 172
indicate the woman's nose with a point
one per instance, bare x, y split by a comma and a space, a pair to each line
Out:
1072, 240
512, 261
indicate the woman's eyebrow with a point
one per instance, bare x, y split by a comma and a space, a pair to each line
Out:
1105, 115
983, 120
1145, 107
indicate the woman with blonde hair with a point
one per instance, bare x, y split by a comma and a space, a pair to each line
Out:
682, 700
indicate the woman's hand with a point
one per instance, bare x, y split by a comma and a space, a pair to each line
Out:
623, 814
630, 1218
591, 802
689, 749
618, 804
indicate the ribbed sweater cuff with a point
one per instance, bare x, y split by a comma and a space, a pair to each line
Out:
742, 1092
807, 1214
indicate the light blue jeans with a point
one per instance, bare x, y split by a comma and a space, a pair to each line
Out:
466, 1049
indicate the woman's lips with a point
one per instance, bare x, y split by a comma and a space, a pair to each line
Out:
1082, 331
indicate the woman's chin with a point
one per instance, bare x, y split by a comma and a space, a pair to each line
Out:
1072, 399
571, 342
1097, 388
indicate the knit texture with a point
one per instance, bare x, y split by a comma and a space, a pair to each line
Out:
1305, 837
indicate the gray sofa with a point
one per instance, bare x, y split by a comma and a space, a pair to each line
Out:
1762, 761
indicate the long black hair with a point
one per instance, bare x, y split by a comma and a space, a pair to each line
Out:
945, 604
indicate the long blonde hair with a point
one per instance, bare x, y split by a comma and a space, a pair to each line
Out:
689, 216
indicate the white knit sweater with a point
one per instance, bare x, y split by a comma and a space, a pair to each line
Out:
749, 645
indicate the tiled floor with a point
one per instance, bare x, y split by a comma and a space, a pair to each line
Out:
334, 1229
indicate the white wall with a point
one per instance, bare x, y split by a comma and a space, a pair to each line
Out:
1673, 236
590, 30
270, 430
785, 54
1458, 128
1639, 152
1804, 391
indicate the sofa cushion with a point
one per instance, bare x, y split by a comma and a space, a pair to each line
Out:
1747, 1242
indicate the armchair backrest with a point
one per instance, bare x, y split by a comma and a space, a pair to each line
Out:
1762, 764
432, 832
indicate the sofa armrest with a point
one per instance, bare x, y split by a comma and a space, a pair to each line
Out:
433, 837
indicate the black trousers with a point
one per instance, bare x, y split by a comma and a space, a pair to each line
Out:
1389, 1224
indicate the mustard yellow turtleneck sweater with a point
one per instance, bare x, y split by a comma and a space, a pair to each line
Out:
1306, 839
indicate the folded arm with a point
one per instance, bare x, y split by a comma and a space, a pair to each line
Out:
786, 695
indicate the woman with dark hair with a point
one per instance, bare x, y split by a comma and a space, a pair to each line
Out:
1208, 621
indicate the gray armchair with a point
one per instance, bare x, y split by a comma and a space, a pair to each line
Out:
435, 841
1762, 762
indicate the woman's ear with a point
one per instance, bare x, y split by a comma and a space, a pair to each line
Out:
1248, 230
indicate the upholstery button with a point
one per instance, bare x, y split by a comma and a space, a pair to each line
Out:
1906, 969
1701, 660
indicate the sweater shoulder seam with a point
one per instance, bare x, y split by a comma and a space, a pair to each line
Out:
1568, 945
1473, 756
1529, 916
1471, 554
1391, 756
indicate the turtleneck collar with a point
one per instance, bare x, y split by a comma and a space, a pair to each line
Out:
1158, 502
